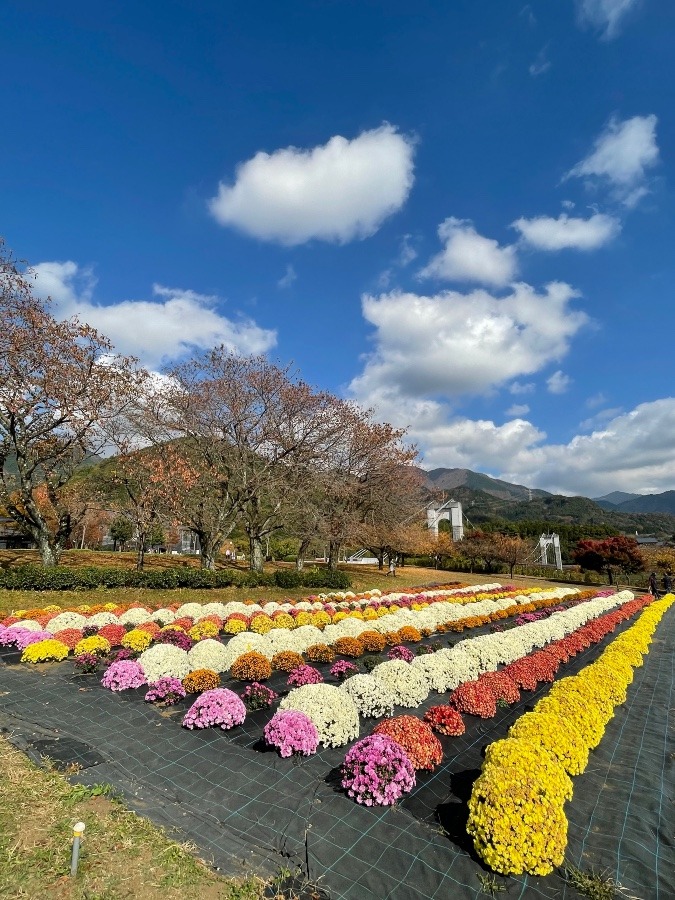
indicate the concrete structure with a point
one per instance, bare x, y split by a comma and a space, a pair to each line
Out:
450, 511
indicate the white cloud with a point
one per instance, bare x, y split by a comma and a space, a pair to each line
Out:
335, 192
558, 383
288, 277
518, 410
605, 15
454, 344
622, 155
596, 400
407, 252
518, 388
546, 233
541, 64
468, 256
600, 418
156, 331
633, 452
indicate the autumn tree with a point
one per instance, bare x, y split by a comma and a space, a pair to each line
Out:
250, 430
388, 502
60, 383
141, 486
616, 553
512, 550
362, 469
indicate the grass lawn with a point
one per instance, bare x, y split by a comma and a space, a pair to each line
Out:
122, 855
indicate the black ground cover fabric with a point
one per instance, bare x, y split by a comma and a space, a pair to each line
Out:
246, 808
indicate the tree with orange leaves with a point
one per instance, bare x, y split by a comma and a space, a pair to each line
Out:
60, 385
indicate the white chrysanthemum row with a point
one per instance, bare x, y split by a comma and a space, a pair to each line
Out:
332, 710
445, 669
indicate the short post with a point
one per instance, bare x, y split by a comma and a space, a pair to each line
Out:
78, 831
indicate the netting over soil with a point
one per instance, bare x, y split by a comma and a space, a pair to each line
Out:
247, 808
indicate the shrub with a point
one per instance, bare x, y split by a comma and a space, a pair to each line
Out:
417, 739
304, 675
377, 771
348, 646
445, 720
320, 653
372, 641
201, 680
258, 696
286, 661
167, 690
252, 666
291, 731
219, 707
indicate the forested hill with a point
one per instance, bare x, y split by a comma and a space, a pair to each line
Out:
512, 503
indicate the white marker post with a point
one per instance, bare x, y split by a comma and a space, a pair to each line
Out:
78, 831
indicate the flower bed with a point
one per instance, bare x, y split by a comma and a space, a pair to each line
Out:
516, 810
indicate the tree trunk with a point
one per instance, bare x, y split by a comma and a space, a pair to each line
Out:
300, 558
333, 555
208, 550
49, 554
140, 552
256, 553
380, 560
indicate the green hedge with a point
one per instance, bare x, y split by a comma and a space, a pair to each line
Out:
74, 578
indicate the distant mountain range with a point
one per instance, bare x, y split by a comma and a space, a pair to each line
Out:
484, 498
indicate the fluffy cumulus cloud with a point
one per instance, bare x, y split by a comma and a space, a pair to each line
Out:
605, 15
568, 232
453, 344
517, 410
337, 192
157, 331
469, 256
558, 383
633, 451
622, 156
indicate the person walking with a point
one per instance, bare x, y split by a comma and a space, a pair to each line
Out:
392, 567
667, 582
653, 586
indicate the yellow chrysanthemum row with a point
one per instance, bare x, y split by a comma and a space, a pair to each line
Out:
516, 810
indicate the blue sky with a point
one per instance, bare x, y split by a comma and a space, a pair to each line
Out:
460, 214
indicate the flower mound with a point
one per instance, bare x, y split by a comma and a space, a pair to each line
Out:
251, 666
95, 644
516, 812
166, 690
86, 663
287, 661
408, 686
445, 720
333, 712
136, 640
201, 680
377, 771
343, 669
475, 698
258, 696
123, 675
372, 698
417, 739
304, 675
402, 653
320, 653
291, 731
164, 661
44, 651
217, 707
